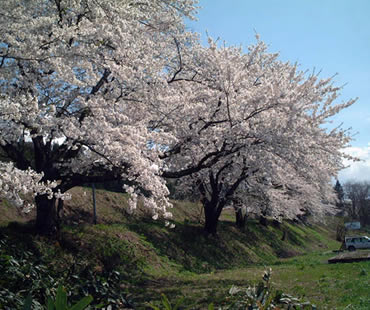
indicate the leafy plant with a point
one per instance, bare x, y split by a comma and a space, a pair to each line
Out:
60, 302
22, 272
166, 304
104, 287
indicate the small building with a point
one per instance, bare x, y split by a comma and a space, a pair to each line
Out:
352, 225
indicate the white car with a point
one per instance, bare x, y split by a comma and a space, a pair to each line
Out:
357, 242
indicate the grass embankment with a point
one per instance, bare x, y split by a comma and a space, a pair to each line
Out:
141, 258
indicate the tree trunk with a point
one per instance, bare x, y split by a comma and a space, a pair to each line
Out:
263, 221
364, 214
353, 214
211, 214
240, 218
46, 218
284, 235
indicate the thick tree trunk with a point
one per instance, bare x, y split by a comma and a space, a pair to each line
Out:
46, 218
211, 214
353, 213
240, 218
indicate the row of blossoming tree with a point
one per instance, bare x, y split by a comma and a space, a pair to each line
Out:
94, 90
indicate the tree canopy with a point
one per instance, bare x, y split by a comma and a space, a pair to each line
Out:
119, 89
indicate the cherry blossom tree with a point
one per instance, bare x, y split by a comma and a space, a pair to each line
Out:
118, 89
81, 81
249, 120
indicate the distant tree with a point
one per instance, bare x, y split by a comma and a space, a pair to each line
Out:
359, 194
340, 194
250, 201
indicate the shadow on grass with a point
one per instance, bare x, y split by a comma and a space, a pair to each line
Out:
188, 246
196, 294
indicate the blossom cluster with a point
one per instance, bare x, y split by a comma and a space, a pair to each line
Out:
15, 184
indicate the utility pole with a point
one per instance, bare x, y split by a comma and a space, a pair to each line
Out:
94, 201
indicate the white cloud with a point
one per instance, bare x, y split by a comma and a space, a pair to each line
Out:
357, 171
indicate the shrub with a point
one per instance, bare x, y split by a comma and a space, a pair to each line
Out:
60, 302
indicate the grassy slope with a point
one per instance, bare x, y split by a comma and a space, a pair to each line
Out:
183, 262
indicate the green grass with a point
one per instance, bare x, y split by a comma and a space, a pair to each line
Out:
152, 259
308, 277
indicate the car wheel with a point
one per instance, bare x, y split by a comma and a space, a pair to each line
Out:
351, 248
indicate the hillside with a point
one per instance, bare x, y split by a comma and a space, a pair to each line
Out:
134, 258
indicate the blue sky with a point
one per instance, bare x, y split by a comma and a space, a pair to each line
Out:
329, 35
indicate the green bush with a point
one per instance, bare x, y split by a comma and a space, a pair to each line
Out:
25, 272
60, 302
22, 273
